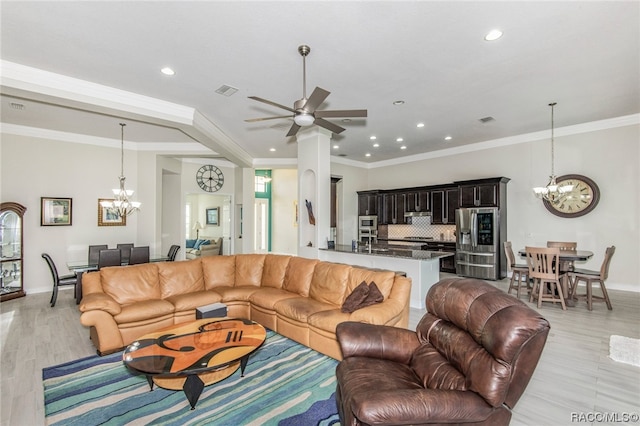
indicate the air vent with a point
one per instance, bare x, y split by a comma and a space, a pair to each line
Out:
226, 90
16, 105
486, 120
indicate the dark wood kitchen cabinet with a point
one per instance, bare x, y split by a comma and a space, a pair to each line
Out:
444, 202
484, 192
393, 208
368, 203
417, 200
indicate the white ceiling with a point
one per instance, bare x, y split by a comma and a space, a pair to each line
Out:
583, 55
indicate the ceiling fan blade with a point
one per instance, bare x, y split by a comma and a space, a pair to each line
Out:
329, 125
293, 130
342, 113
317, 97
255, 98
253, 120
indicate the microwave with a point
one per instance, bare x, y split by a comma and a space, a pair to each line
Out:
367, 223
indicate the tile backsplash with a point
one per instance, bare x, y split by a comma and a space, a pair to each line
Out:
422, 227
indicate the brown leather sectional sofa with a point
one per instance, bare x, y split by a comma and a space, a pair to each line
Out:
297, 297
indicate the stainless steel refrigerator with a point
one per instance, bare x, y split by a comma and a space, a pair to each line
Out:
480, 232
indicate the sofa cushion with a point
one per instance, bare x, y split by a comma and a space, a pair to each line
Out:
329, 282
357, 296
218, 271
130, 284
196, 299
299, 274
236, 293
198, 243
190, 244
300, 308
383, 279
274, 270
143, 311
249, 269
180, 277
267, 297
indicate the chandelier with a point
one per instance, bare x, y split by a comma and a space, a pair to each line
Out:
121, 203
552, 192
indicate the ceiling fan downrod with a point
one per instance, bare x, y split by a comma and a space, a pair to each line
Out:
304, 50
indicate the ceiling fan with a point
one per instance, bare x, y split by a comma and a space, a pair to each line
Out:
304, 110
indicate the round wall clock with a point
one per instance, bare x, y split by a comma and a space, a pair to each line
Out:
582, 198
210, 178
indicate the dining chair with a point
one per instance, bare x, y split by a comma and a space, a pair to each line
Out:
109, 257
173, 251
125, 251
547, 280
57, 279
589, 277
94, 253
566, 266
139, 255
521, 272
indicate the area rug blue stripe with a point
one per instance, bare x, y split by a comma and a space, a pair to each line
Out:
285, 383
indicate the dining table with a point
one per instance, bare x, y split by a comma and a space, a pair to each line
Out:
568, 256
79, 267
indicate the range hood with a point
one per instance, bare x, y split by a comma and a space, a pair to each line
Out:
417, 214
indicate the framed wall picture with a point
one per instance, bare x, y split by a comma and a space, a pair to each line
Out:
213, 216
55, 211
108, 216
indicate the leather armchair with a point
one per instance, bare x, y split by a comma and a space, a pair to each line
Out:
468, 362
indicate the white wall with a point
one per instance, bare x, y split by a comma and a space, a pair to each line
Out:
610, 157
284, 231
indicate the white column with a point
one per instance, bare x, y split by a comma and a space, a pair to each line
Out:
314, 185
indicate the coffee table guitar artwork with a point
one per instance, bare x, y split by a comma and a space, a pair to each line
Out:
192, 355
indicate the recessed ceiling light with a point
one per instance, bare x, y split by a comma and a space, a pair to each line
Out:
346, 120
367, 155
373, 138
403, 147
375, 145
336, 146
167, 71
399, 140
493, 35
272, 149
420, 125
447, 138
398, 102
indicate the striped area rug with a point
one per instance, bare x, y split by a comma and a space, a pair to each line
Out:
285, 383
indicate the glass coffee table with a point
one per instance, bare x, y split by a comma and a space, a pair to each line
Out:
190, 356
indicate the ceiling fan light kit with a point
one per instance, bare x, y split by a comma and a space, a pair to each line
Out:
305, 111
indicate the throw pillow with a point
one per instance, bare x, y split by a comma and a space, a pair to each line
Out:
357, 296
374, 296
198, 244
205, 243
190, 243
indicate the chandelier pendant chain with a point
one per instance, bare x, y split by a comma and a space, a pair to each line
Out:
553, 172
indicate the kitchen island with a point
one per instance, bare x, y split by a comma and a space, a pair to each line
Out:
422, 266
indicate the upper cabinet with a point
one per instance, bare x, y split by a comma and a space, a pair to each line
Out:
11, 257
393, 208
417, 200
444, 202
484, 192
367, 203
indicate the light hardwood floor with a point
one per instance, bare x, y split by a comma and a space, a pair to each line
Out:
574, 375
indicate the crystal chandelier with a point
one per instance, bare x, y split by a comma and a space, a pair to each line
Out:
552, 192
121, 203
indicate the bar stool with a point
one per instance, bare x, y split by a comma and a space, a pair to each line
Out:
589, 277
519, 271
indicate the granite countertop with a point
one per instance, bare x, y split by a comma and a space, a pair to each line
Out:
409, 240
391, 251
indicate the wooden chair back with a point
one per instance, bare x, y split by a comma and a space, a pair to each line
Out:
604, 269
563, 245
542, 262
511, 258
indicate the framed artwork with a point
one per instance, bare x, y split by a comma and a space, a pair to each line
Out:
213, 216
108, 216
55, 211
